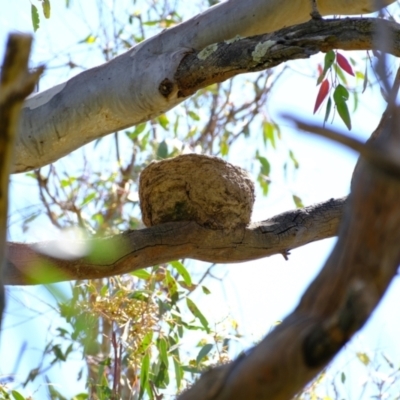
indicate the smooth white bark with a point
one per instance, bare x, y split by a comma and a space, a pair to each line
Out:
125, 91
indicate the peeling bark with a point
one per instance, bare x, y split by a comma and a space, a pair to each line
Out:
142, 83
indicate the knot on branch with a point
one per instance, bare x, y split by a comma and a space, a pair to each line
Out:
195, 187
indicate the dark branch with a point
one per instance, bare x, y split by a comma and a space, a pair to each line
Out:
15, 84
133, 250
228, 59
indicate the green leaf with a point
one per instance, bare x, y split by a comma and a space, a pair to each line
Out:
67, 182
203, 352
35, 18
178, 371
163, 121
17, 395
224, 146
328, 61
137, 131
265, 165
162, 349
46, 8
162, 151
81, 396
142, 274
343, 111
170, 283
205, 290
340, 74
104, 290
268, 133
355, 97
88, 198
365, 83
294, 159
144, 374
328, 110
194, 116
196, 312
340, 96
363, 357
297, 201
183, 272
88, 39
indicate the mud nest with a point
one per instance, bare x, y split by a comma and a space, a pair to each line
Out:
199, 188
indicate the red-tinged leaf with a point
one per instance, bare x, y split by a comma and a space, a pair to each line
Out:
320, 70
322, 93
344, 64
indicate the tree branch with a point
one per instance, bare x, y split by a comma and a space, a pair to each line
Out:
133, 250
122, 93
242, 55
15, 84
338, 302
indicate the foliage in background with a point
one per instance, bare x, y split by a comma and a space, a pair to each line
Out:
129, 330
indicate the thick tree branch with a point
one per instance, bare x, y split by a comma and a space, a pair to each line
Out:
241, 55
151, 78
15, 84
341, 298
133, 250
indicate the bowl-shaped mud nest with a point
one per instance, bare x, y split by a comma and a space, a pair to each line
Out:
195, 187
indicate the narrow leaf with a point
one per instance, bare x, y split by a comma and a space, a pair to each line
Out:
183, 272
294, 159
193, 115
268, 133
178, 372
46, 8
344, 64
197, 313
205, 290
265, 165
171, 284
328, 61
340, 74
340, 96
322, 93
203, 352
162, 348
297, 201
17, 395
141, 274
144, 373
365, 83
344, 114
35, 18
328, 110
